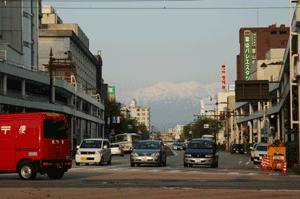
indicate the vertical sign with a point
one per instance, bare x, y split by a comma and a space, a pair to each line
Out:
253, 46
223, 76
247, 54
254, 126
111, 90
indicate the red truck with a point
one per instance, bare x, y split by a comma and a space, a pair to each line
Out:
32, 143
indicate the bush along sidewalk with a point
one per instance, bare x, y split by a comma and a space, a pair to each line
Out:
291, 154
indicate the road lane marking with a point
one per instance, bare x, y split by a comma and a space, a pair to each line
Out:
253, 174
97, 169
234, 173
240, 162
274, 174
72, 169
174, 171
153, 170
134, 169
115, 169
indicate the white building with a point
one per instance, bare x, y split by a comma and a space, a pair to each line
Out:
140, 113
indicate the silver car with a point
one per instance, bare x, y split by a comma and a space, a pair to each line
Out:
260, 150
116, 149
148, 152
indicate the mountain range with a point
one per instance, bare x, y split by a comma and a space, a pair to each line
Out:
171, 104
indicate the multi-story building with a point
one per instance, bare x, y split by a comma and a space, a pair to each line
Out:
259, 41
140, 113
24, 89
19, 21
178, 132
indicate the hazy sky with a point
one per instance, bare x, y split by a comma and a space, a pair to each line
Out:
141, 47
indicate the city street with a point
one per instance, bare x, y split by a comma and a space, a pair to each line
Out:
235, 176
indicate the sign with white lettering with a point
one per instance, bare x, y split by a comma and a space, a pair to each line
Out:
5, 129
247, 54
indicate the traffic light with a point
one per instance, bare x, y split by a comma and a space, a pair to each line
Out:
199, 116
193, 127
141, 129
222, 116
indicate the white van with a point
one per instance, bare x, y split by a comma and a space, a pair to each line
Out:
94, 150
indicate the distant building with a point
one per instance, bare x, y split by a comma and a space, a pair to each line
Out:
140, 113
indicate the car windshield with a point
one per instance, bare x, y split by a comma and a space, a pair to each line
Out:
261, 148
200, 145
237, 146
91, 144
147, 145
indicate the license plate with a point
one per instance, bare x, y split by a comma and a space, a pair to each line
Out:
279, 165
260, 157
83, 158
237, 151
144, 159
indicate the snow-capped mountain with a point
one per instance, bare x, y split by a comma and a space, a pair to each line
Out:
171, 104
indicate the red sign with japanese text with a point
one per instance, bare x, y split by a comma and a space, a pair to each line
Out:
223, 76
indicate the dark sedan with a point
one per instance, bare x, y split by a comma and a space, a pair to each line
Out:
236, 148
201, 152
148, 152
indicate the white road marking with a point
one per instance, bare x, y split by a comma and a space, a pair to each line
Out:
274, 174
234, 173
253, 174
247, 162
240, 162
134, 169
115, 169
97, 169
278, 190
72, 169
153, 170
174, 171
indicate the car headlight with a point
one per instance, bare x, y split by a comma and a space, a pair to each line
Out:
134, 154
242, 149
209, 156
97, 152
155, 154
256, 155
187, 155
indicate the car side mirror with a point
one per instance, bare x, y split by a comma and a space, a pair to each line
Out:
78, 147
105, 147
131, 148
251, 147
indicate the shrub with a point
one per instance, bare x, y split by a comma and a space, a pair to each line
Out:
291, 153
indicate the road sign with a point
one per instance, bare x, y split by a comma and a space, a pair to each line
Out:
206, 126
111, 90
114, 119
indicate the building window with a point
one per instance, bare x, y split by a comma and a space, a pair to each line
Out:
273, 32
283, 32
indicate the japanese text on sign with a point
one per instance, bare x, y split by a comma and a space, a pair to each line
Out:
247, 55
223, 76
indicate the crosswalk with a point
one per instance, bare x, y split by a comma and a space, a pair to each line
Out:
167, 170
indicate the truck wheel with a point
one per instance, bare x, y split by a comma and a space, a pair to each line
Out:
185, 164
27, 171
77, 163
132, 164
55, 174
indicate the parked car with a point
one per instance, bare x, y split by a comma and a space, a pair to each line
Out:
148, 152
237, 148
183, 146
260, 150
116, 149
201, 152
252, 151
94, 150
178, 146
175, 146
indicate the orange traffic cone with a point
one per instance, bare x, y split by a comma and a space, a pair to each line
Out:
263, 162
284, 170
267, 163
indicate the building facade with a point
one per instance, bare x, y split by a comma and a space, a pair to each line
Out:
140, 113
259, 41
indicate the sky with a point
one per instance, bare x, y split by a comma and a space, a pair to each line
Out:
143, 44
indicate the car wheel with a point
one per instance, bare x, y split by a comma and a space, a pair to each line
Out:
190, 165
86, 163
252, 159
215, 165
185, 165
109, 161
132, 164
77, 163
138, 164
56, 174
122, 155
101, 161
27, 171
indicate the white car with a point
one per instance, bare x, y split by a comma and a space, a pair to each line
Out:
94, 150
252, 151
116, 149
260, 151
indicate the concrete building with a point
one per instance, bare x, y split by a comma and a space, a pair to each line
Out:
24, 89
261, 41
140, 113
19, 21
178, 132
277, 118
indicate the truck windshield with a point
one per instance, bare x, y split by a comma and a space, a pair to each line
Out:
55, 129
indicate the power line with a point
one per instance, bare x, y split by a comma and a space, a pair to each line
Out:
162, 8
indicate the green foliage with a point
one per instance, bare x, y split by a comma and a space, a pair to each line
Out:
198, 128
291, 153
